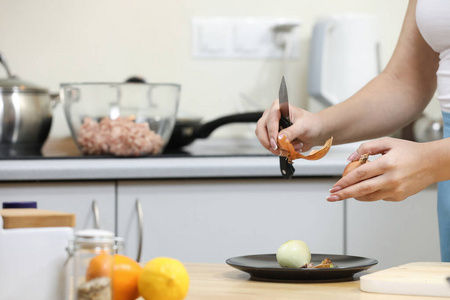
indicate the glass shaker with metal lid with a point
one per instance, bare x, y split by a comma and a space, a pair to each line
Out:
92, 252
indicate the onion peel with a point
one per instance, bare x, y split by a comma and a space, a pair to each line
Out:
287, 150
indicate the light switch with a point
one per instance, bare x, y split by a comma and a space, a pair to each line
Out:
211, 37
248, 35
242, 37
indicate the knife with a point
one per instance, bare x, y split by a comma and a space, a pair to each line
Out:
287, 169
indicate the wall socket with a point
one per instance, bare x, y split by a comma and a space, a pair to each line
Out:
245, 37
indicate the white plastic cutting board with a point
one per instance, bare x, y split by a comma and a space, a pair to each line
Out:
420, 278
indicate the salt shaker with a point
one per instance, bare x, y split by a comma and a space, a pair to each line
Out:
92, 252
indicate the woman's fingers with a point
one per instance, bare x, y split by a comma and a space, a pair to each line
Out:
369, 169
267, 128
364, 172
273, 125
302, 134
297, 145
261, 132
365, 190
368, 192
379, 146
400, 172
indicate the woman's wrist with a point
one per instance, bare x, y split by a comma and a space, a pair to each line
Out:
437, 158
328, 126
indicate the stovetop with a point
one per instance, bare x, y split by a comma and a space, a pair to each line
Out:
66, 149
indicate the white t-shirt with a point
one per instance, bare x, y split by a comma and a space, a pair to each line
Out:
433, 20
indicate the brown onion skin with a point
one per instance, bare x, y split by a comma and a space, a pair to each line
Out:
355, 164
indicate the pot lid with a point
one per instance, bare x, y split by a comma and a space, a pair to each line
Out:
15, 84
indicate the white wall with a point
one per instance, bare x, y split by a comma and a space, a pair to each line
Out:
50, 41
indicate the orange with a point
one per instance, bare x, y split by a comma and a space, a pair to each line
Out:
99, 266
126, 272
126, 277
164, 278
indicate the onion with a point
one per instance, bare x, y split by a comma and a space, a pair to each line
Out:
355, 164
293, 254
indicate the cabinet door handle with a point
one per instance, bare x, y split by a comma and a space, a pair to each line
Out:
96, 212
141, 228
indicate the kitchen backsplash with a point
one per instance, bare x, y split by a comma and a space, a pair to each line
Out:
50, 42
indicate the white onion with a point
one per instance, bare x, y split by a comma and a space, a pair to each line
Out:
293, 254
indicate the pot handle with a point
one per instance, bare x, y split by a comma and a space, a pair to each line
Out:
5, 65
206, 129
54, 100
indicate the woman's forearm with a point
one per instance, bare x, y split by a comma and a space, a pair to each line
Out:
378, 109
391, 100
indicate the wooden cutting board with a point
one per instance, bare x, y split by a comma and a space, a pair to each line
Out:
30, 217
420, 278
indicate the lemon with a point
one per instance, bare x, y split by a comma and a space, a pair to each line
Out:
163, 278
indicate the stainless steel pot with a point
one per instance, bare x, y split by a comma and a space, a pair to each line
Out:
25, 115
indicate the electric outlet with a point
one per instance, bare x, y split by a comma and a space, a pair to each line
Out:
245, 37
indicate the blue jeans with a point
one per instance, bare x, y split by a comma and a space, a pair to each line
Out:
444, 204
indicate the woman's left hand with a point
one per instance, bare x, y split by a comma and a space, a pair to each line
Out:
404, 169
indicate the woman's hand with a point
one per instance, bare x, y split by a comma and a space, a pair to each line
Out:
404, 169
303, 134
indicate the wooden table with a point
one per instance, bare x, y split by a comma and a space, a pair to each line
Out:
220, 281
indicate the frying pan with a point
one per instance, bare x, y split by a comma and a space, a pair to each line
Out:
188, 130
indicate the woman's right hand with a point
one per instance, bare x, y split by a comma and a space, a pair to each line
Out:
304, 133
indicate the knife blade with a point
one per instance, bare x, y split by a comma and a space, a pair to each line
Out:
284, 105
286, 168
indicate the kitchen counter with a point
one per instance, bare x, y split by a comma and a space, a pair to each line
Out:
220, 281
208, 158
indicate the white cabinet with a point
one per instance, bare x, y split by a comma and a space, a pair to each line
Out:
211, 220
395, 233
71, 197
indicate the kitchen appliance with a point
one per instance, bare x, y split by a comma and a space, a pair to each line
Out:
33, 253
153, 103
419, 278
25, 114
344, 56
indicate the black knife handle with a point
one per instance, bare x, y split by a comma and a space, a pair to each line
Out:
286, 168
284, 123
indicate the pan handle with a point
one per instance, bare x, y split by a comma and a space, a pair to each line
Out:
206, 129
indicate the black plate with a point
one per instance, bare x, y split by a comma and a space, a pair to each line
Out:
265, 267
